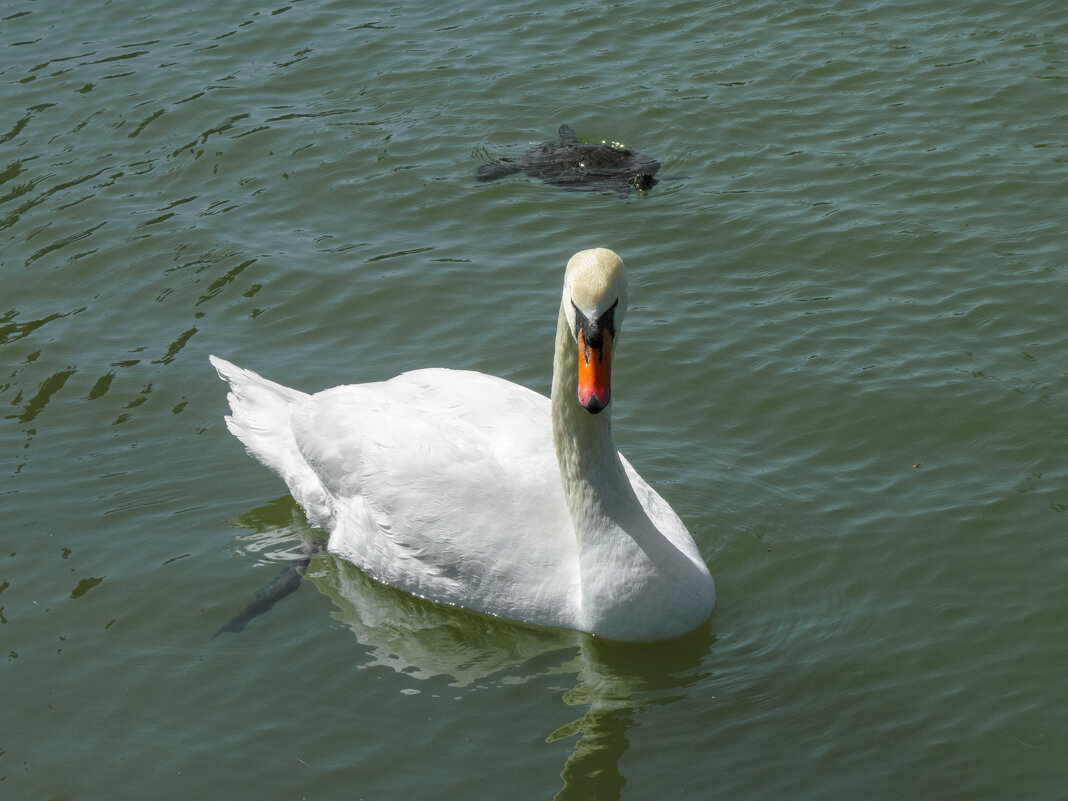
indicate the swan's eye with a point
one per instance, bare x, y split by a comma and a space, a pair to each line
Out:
592, 330
607, 321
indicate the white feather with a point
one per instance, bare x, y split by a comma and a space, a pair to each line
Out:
471, 490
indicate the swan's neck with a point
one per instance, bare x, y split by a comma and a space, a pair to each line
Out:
632, 578
589, 462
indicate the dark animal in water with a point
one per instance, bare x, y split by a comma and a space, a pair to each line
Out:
579, 166
285, 583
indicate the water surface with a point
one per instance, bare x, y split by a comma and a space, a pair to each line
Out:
844, 366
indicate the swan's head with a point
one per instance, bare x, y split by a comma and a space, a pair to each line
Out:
595, 301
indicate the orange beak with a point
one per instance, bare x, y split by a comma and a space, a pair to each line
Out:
595, 373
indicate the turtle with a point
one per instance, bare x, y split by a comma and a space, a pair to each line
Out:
579, 166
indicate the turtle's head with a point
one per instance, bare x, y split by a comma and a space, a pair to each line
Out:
643, 181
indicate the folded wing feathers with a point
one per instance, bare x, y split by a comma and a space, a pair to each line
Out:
261, 419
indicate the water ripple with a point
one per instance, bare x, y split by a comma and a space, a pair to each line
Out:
843, 366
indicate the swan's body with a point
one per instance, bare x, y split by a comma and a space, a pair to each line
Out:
471, 490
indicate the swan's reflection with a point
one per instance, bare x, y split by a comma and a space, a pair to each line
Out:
613, 682
426, 640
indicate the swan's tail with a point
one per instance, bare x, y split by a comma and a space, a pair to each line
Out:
260, 416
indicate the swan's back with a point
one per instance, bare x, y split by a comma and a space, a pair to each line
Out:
441, 482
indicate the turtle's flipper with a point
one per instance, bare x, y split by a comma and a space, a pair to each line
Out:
497, 169
566, 134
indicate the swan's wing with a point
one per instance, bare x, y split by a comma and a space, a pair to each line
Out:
665, 518
444, 483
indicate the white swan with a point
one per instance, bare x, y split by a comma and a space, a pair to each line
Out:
471, 490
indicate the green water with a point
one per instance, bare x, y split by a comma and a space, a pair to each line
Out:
844, 366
